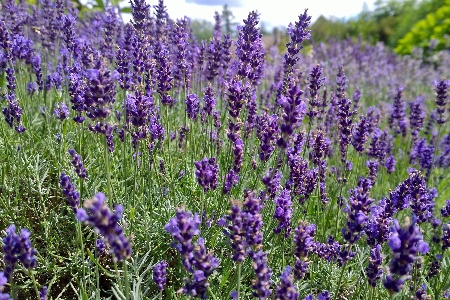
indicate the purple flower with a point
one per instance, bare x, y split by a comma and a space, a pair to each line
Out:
159, 274
100, 246
3, 281
207, 173
267, 130
283, 212
405, 243
345, 126
272, 182
68, 189
416, 116
441, 100
261, 284
43, 293
360, 135
209, 100
397, 119
17, 248
235, 231
105, 223
373, 270
183, 227
315, 83
100, 92
77, 163
304, 243
287, 290
231, 179
138, 109
445, 211
389, 164
192, 106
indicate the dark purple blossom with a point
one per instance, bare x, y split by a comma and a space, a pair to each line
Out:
233, 224
304, 244
207, 173
286, 290
3, 282
105, 223
389, 164
17, 248
61, 111
406, 244
416, 116
272, 182
209, 100
373, 270
261, 284
159, 274
192, 106
267, 130
183, 227
283, 212
445, 211
441, 100
360, 134
68, 189
397, 119
77, 163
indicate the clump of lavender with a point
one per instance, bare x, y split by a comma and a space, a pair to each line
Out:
406, 244
159, 274
17, 248
283, 212
422, 198
77, 163
373, 270
304, 244
203, 265
207, 173
397, 119
68, 189
445, 211
105, 223
379, 222
286, 290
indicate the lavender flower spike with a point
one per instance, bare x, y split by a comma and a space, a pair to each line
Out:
287, 290
105, 223
159, 274
77, 163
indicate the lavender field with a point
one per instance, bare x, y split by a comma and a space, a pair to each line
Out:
139, 163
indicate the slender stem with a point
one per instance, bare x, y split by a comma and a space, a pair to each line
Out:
30, 273
125, 277
107, 167
239, 280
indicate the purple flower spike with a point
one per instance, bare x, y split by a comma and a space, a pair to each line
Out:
3, 281
287, 290
17, 248
192, 106
159, 274
405, 243
283, 213
261, 284
77, 163
207, 173
68, 189
183, 227
105, 223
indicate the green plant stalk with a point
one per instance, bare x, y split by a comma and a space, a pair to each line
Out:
125, 278
107, 168
80, 241
33, 279
239, 280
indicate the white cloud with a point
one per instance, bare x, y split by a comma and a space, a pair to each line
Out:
273, 13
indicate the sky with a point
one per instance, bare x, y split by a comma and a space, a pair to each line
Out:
272, 13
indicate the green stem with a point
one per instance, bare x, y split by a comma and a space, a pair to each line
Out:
30, 273
108, 171
125, 277
239, 280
